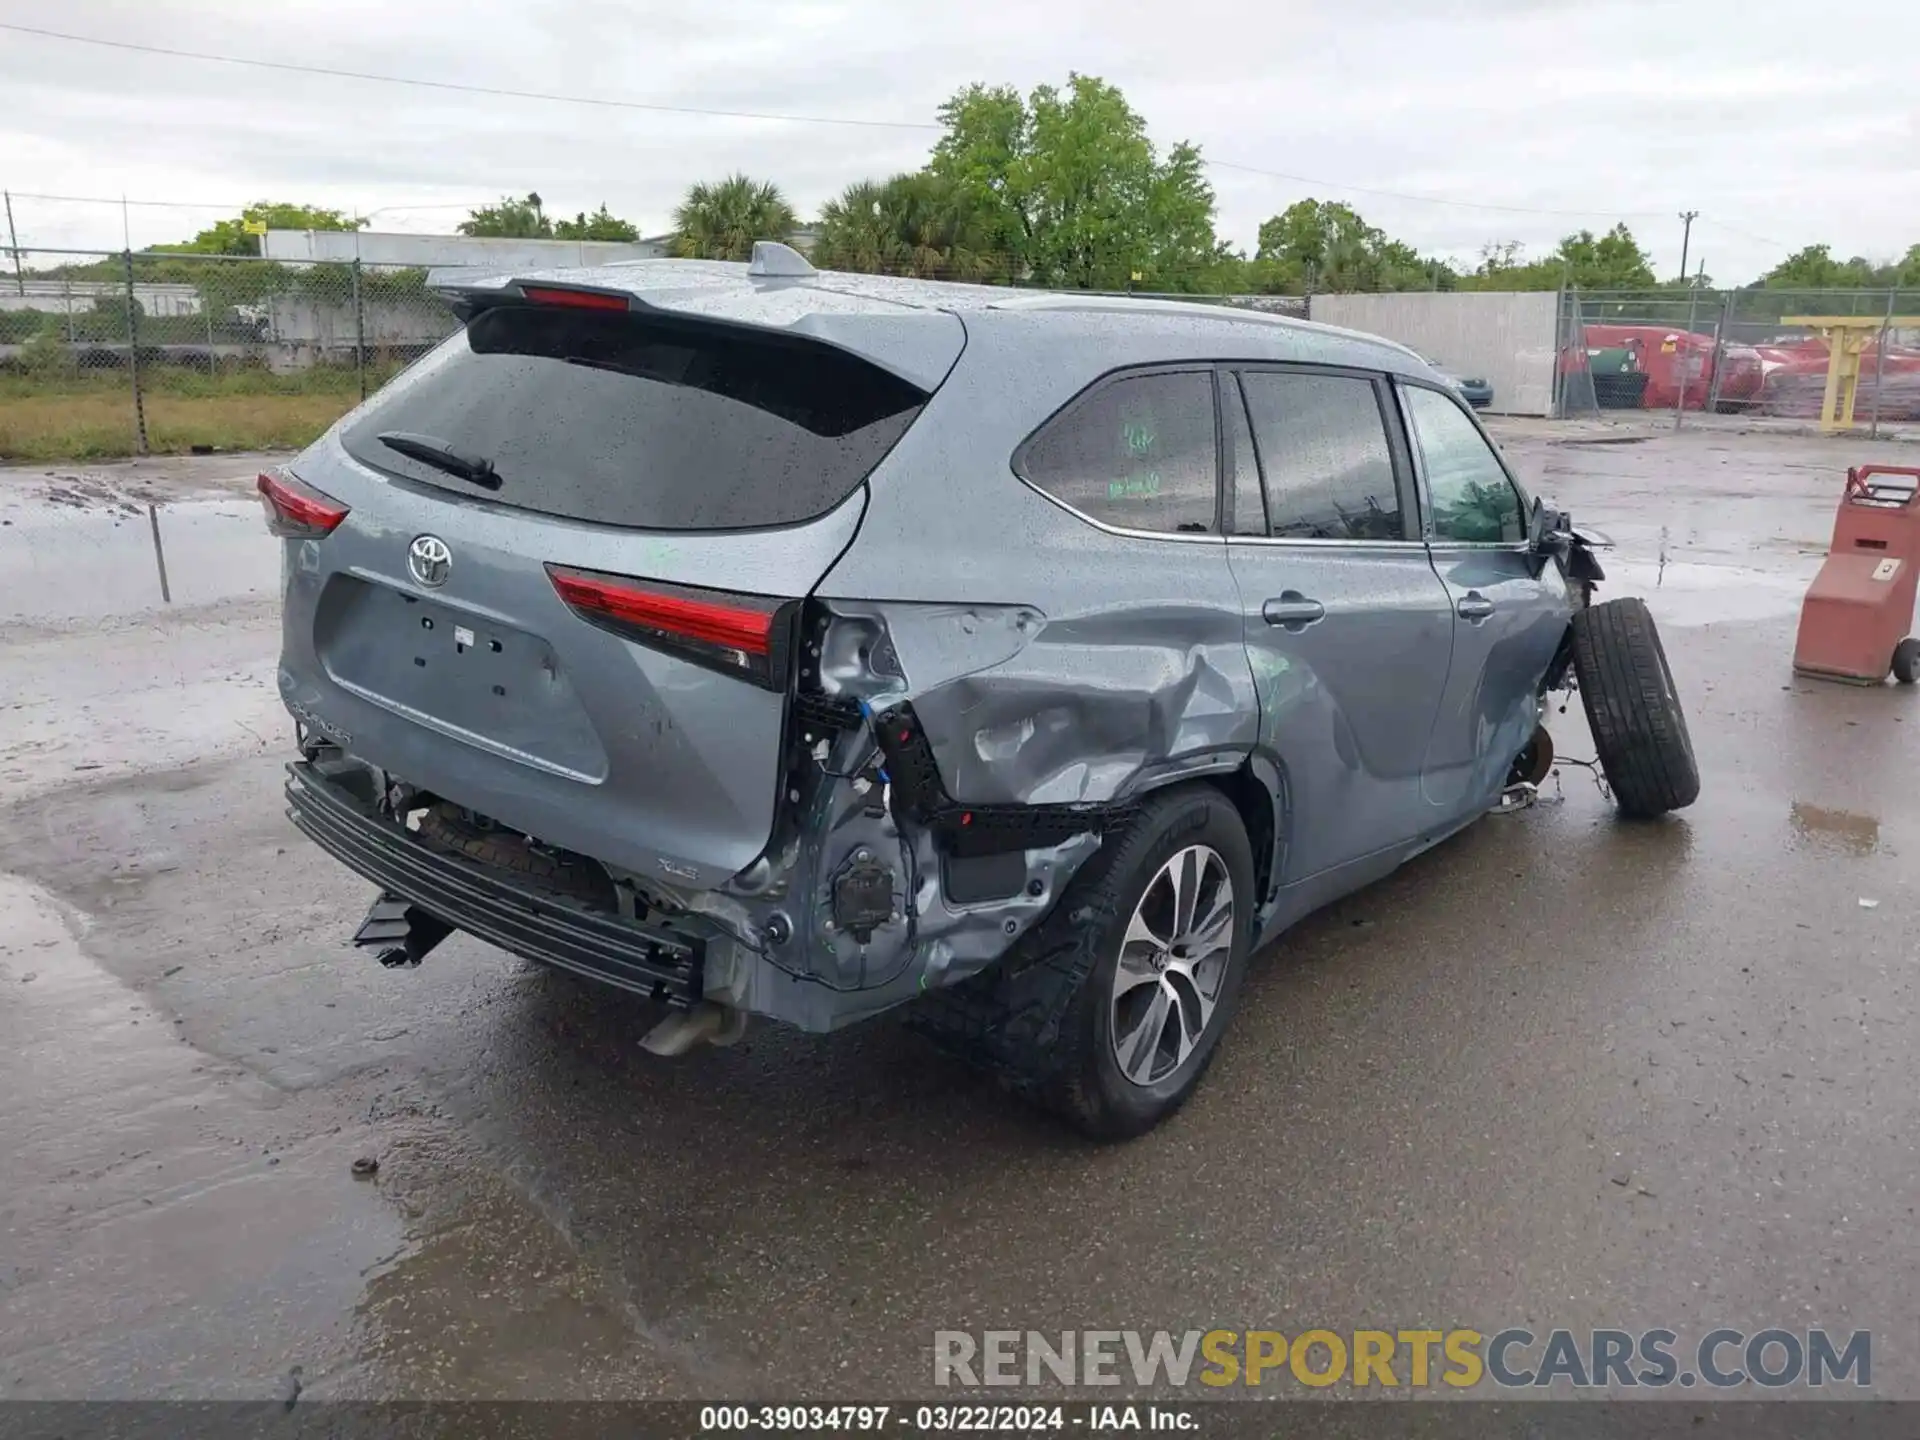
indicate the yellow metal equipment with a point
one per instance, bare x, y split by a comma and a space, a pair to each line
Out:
1847, 338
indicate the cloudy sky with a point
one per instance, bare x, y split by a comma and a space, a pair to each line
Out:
1449, 123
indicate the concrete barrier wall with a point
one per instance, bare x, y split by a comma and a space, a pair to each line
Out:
1504, 338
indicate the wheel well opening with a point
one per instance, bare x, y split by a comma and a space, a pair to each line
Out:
1255, 806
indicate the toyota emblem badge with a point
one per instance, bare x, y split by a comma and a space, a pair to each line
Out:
429, 560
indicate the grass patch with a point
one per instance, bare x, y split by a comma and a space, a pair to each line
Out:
98, 427
90, 417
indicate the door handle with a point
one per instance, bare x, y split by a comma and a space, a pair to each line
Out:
1292, 610
1474, 606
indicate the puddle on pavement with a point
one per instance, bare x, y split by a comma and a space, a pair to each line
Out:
176, 1228
490, 1303
1840, 831
67, 562
1685, 593
172, 1232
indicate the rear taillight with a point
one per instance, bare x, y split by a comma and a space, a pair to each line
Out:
743, 635
295, 510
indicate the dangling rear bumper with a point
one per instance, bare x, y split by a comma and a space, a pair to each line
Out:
332, 804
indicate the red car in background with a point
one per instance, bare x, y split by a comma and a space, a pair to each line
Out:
1672, 358
1796, 381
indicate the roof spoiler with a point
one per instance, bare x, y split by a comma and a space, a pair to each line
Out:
894, 338
470, 291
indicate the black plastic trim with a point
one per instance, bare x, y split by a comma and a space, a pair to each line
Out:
920, 797
825, 713
640, 957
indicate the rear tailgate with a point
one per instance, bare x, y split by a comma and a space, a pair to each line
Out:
597, 652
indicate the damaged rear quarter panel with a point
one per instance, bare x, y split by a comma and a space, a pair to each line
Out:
1018, 710
1046, 661
1024, 709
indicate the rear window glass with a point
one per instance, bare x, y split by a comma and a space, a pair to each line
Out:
632, 421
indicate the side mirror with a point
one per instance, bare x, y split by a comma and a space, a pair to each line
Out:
1555, 537
1550, 532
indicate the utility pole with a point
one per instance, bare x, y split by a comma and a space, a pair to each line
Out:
13, 243
1687, 217
1686, 356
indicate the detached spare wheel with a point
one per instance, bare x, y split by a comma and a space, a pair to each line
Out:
1638, 727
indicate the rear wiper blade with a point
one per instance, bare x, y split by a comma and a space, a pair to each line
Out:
476, 469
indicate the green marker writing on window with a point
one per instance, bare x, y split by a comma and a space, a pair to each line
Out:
1140, 485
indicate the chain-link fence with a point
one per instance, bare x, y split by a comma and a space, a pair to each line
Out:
1848, 359
107, 353
127, 354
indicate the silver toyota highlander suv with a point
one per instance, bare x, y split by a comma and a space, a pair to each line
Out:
773, 642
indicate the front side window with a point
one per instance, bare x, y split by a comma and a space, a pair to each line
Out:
1473, 500
1324, 456
1137, 453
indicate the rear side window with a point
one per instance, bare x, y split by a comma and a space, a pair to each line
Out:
1324, 457
1138, 453
633, 421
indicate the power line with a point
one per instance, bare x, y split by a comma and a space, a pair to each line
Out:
864, 123
116, 200
233, 209
1744, 234
1436, 199
455, 85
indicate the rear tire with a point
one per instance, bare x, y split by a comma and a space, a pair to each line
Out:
1639, 729
1047, 1017
1906, 661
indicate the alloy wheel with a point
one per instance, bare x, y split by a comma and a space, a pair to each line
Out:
1173, 961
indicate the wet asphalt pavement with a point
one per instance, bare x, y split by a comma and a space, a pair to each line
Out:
1563, 1071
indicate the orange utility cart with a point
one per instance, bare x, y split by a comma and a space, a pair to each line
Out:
1854, 621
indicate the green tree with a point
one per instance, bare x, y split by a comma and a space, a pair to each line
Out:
1613, 261
1814, 268
720, 221
1067, 186
1327, 246
983, 155
857, 230
1092, 172
1183, 252
511, 219
231, 237
1504, 266
914, 224
600, 225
